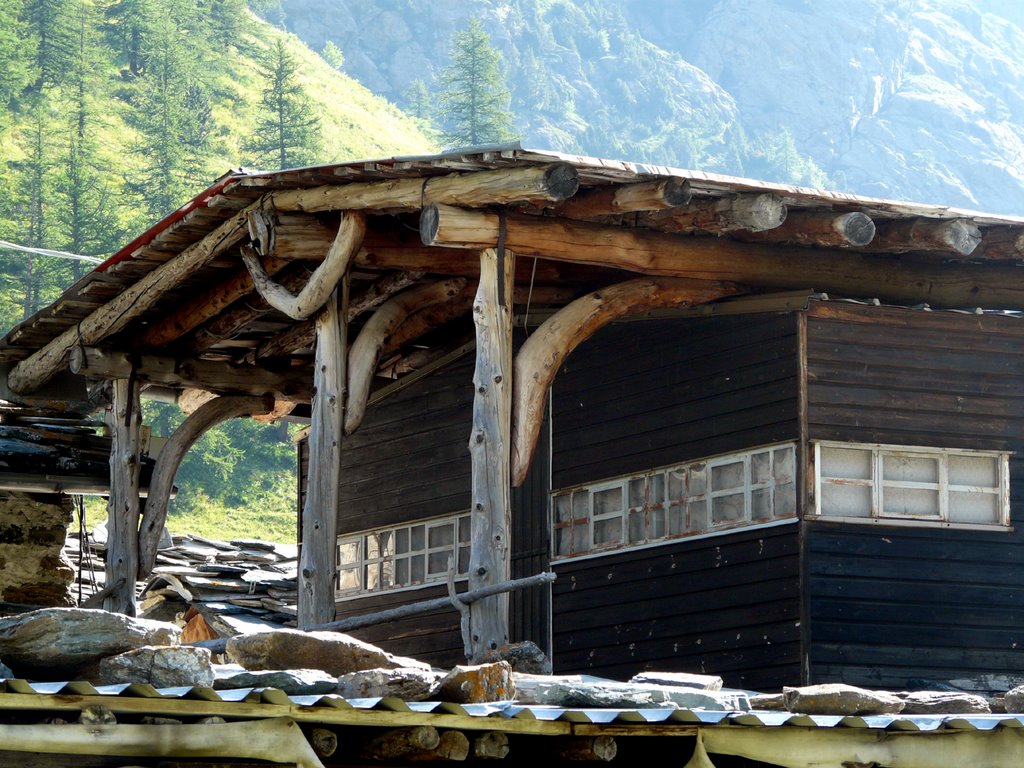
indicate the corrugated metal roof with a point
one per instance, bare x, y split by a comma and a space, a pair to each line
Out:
65, 695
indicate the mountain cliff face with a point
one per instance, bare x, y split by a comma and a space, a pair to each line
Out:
912, 99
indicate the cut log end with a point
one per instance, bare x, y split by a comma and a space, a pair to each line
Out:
562, 180
963, 236
856, 228
430, 222
677, 192
758, 212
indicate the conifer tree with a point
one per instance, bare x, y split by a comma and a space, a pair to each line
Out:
16, 53
473, 99
287, 133
131, 22
332, 54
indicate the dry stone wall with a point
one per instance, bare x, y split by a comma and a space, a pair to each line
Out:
33, 568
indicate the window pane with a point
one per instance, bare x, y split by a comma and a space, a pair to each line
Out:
437, 563
348, 578
563, 541
372, 577
847, 463
727, 509
465, 529
761, 504
387, 574
760, 468
608, 501
785, 500
697, 481
676, 483
441, 535
697, 512
918, 469
386, 541
785, 458
916, 502
656, 524
845, 500
463, 560
676, 519
348, 552
580, 538
637, 491
401, 540
416, 569
563, 508
608, 531
973, 507
980, 471
401, 572
372, 546
726, 476
636, 526
580, 505
417, 540
656, 490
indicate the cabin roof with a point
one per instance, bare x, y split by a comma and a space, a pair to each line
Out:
920, 254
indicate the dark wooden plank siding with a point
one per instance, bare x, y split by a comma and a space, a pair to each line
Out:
899, 606
410, 458
646, 394
727, 605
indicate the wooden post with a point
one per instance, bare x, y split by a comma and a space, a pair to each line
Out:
320, 513
490, 446
124, 418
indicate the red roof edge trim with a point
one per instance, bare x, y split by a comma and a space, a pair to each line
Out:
199, 201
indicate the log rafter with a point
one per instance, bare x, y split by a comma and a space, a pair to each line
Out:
834, 270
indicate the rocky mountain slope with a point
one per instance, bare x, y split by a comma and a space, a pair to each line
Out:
913, 99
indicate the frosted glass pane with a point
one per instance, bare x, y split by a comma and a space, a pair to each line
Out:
698, 480
608, 531
914, 502
656, 489
727, 476
785, 458
698, 516
727, 509
608, 501
980, 471
580, 538
636, 526
761, 504
760, 468
637, 491
973, 507
676, 519
918, 469
847, 463
676, 484
845, 500
580, 505
563, 508
785, 500
656, 524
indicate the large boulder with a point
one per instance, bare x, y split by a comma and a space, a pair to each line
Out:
408, 684
576, 691
1014, 701
944, 703
295, 682
58, 643
840, 699
333, 652
160, 666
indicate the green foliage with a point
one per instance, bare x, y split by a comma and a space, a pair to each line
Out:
775, 156
332, 55
287, 131
17, 50
473, 100
51, 25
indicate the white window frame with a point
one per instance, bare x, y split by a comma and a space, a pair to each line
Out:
879, 451
666, 502
388, 560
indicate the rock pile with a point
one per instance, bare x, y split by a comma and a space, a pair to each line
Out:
88, 644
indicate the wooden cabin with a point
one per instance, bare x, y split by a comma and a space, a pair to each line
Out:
761, 431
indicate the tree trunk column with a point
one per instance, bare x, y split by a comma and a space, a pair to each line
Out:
490, 450
317, 563
124, 418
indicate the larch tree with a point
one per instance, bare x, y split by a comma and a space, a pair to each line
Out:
473, 99
287, 133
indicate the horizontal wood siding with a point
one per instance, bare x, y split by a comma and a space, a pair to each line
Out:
650, 393
410, 458
727, 605
902, 606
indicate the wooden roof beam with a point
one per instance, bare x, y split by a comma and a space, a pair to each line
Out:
754, 212
535, 184
717, 258
294, 384
614, 200
828, 230
956, 237
1001, 244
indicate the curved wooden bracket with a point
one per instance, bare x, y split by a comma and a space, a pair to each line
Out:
544, 352
208, 415
322, 282
368, 346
